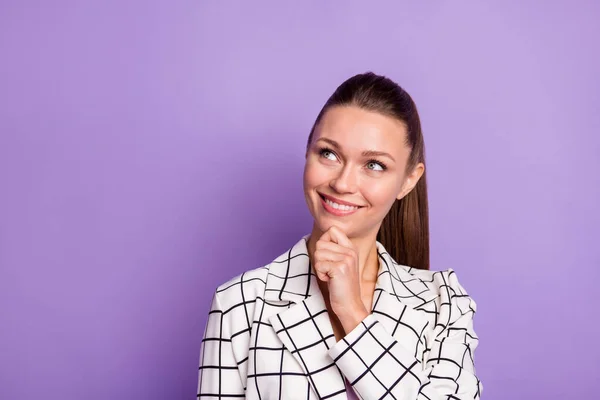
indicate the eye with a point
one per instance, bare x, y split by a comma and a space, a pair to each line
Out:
328, 154
376, 166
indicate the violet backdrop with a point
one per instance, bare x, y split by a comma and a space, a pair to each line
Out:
150, 151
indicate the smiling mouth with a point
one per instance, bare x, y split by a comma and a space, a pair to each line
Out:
337, 206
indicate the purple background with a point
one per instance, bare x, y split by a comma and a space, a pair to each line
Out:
149, 151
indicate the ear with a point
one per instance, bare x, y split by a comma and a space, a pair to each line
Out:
411, 180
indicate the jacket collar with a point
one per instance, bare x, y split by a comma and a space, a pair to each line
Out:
398, 295
290, 278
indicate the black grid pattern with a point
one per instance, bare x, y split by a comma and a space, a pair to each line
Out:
269, 336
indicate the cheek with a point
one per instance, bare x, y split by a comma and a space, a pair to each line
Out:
380, 193
313, 175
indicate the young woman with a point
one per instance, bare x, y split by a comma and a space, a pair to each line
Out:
351, 310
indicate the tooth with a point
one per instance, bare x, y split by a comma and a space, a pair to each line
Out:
342, 207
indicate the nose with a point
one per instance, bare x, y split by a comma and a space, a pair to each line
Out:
345, 181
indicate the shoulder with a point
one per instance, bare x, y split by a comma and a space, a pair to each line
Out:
441, 282
285, 271
452, 300
233, 302
242, 289
424, 286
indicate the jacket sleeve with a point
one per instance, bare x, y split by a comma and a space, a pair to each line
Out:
378, 366
219, 376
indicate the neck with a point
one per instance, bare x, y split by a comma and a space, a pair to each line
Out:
368, 260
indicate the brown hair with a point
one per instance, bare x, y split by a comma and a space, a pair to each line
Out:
404, 231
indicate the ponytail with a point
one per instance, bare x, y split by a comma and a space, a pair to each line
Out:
404, 231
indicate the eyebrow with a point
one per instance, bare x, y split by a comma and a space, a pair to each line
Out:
366, 153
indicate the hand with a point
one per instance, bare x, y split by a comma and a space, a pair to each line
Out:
336, 262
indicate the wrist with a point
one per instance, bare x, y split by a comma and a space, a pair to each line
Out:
353, 318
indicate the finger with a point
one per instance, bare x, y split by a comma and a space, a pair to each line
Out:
324, 269
329, 255
333, 268
339, 237
325, 237
334, 247
323, 277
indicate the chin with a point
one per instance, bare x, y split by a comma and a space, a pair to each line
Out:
325, 223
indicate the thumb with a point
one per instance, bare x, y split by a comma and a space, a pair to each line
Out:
339, 237
326, 237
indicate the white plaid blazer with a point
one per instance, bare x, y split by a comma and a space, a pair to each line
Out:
268, 336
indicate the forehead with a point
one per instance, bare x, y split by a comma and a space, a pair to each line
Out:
355, 128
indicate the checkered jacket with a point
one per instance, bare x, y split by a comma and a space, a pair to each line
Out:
268, 336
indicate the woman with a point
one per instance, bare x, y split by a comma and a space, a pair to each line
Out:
351, 310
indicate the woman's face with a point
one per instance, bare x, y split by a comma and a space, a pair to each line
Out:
355, 170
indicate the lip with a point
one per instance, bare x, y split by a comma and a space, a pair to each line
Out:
344, 203
335, 211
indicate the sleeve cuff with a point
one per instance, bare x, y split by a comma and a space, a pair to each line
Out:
360, 347
375, 363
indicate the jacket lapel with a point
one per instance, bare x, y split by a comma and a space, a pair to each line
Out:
401, 303
305, 328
